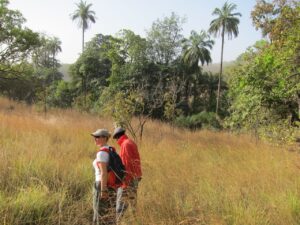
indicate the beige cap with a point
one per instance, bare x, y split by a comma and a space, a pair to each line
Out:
101, 132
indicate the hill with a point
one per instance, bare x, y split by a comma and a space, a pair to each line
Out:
202, 177
64, 69
215, 67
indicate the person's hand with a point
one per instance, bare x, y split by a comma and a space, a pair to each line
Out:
104, 195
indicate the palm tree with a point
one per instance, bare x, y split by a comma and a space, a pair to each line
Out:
226, 22
54, 46
196, 48
84, 16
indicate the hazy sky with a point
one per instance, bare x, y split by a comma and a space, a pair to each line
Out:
53, 18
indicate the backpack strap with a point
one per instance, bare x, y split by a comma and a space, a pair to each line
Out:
107, 149
111, 175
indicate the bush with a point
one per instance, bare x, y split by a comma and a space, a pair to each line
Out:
33, 205
201, 120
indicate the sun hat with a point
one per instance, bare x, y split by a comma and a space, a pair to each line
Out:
117, 131
101, 132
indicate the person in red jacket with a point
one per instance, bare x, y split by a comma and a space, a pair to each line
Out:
127, 194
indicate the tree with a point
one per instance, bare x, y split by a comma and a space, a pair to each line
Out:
84, 16
226, 22
196, 48
91, 70
265, 83
44, 59
16, 42
46, 68
54, 46
265, 14
165, 39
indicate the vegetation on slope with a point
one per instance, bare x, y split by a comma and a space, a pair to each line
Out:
189, 177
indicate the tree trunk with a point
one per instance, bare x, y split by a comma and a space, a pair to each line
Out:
221, 70
85, 90
82, 39
53, 67
298, 100
45, 99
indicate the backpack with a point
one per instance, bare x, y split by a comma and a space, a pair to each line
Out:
115, 164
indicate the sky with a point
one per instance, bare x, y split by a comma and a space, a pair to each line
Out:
52, 17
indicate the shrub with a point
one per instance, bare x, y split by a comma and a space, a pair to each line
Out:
201, 120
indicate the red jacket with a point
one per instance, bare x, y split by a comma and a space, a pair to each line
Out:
131, 159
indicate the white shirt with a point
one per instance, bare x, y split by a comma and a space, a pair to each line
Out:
101, 156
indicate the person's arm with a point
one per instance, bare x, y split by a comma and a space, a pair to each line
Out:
104, 190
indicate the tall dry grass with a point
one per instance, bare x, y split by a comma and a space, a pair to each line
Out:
188, 177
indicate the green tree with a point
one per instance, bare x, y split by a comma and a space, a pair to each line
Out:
16, 42
54, 46
265, 83
197, 48
265, 14
91, 70
44, 59
165, 37
46, 69
225, 23
63, 95
85, 16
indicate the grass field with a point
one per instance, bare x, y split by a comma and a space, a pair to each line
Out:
203, 177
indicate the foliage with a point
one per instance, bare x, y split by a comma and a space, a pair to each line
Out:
122, 108
226, 21
63, 96
44, 59
165, 37
46, 70
154, 77
91, 70
201, 120
23, 88
265, 15
265, 83
196, 48
16, 42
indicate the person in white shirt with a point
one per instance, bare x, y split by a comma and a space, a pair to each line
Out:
104, 196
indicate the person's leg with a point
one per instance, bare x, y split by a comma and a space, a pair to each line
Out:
110, 217
127, 198
96, 203
121, 205
104, 210
132, 194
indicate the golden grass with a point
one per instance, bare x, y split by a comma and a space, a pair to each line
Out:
189, 177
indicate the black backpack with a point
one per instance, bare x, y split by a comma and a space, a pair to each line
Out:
115, 164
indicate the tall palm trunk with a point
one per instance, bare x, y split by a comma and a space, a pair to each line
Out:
221, 70
298, 101
53, 67
83, 77
82, 39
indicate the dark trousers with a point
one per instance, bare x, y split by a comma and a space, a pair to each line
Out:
104, 210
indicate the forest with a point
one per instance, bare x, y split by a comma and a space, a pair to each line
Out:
216, 148
160, 76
